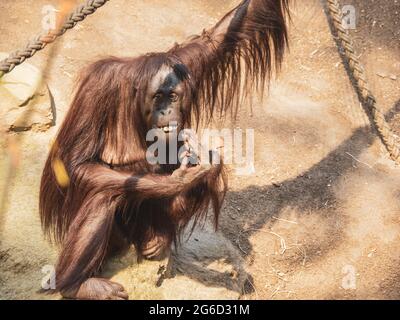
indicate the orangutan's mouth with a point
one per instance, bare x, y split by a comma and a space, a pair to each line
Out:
170, 128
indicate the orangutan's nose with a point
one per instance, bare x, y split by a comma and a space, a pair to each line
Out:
166, 112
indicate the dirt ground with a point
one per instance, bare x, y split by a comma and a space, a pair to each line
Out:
323, 206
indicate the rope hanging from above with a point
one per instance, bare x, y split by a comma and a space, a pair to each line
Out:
43, 39
358, 73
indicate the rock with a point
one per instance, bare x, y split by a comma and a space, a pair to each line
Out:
24, 106
382, 74
206, 266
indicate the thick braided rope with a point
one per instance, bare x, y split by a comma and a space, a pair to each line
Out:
358, 73
41, 40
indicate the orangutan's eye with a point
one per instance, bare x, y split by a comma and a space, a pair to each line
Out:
173, 97
157, 96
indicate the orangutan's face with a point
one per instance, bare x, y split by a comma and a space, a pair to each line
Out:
164, 102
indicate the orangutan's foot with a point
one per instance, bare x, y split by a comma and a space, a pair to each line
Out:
97, 289
156, 248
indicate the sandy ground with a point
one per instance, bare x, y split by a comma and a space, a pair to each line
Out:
320, 217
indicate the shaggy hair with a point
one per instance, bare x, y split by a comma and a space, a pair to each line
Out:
114, 193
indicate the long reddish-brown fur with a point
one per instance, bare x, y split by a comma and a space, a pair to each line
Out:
113, 190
